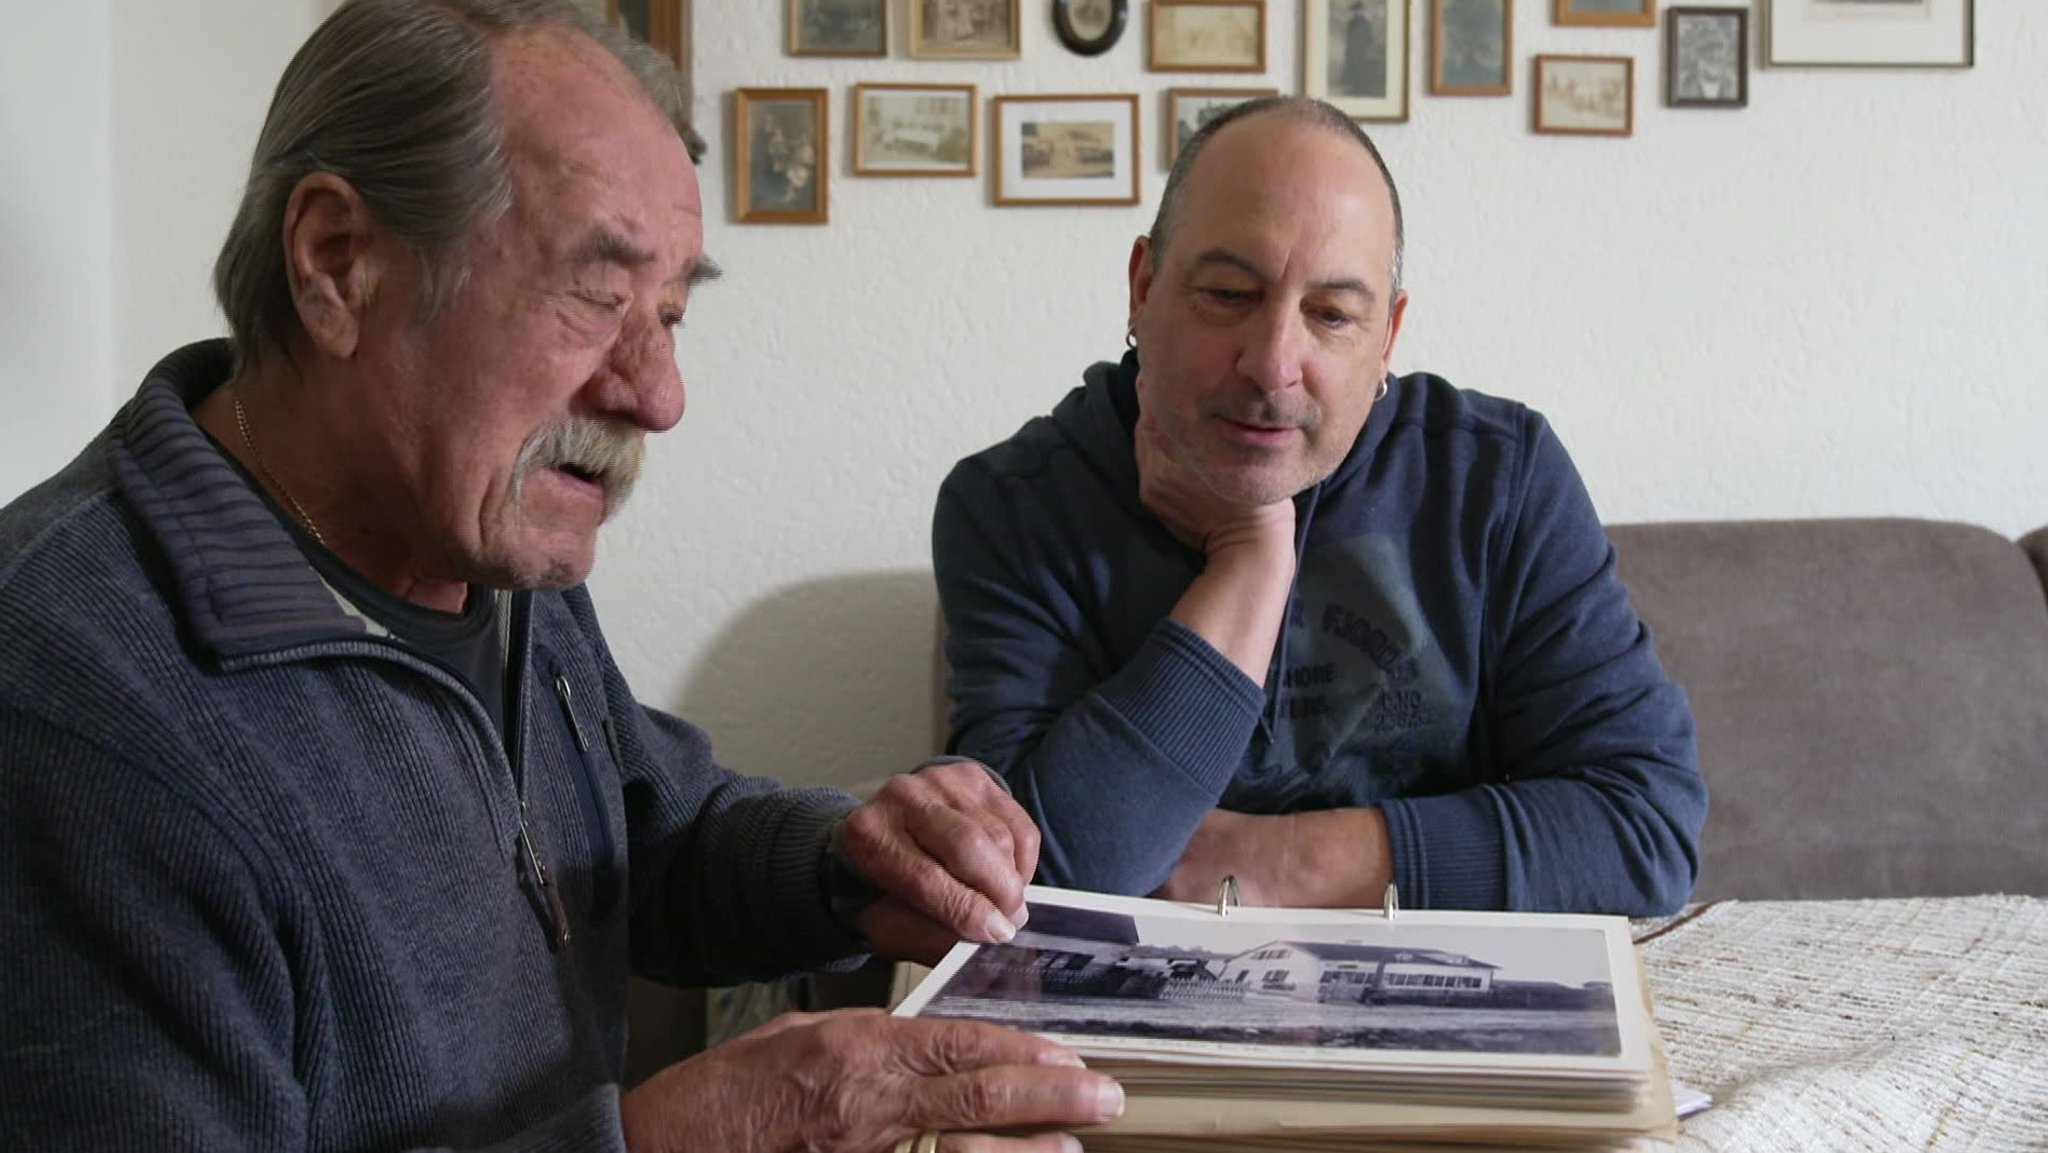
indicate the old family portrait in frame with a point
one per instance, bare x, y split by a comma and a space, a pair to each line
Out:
1605, 13
1188, 109
915, 130
781, 159
1870, 33
1066, 150
966, 29
837, 27
1089, 27
1706, 57
1354, 54
1207, 36
1471, 43
1585, 95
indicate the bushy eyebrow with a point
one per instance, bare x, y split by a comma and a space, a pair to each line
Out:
1224, 256
603, 246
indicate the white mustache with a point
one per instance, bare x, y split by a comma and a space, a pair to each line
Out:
609, 450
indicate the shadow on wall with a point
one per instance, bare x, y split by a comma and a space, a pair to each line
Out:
829, 682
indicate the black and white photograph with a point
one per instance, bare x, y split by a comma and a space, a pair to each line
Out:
1706, 57
1606, 13
838, 27
1355, 55
1188, 109
1870, 33
664, 24
1471, 44
1585, 95
1065, 149
965, 29
914, 130
780, 152
1363, 986
1207, 36
1090, 27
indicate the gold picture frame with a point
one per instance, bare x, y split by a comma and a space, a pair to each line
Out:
1583, 95
1471, 47
916, 130
1605, 13
1206, 36
1065, 150
782, 163
1354, 55
1187, 109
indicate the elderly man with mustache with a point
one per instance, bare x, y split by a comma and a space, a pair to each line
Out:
1246, 604
327, 821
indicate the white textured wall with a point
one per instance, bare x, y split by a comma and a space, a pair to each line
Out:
57, 387
1829, 303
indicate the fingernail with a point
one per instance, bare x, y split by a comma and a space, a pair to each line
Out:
998, 928
1070, 1143
1109, 1100
1022, 916
1063, 1057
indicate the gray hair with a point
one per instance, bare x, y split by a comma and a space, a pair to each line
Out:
395, 97
1299, 110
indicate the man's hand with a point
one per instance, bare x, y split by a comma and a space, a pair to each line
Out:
951, 853
1334, 859
1192, 511
860, 1080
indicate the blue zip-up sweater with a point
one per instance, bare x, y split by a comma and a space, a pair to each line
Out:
259, 880
1458, 652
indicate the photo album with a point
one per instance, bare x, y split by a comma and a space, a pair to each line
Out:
1259, 1028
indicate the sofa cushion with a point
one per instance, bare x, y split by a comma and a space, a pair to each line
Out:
1871, 696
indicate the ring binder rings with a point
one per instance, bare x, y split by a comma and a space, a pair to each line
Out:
1227, 898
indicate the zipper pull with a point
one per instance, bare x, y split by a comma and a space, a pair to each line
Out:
551, 898
563, 695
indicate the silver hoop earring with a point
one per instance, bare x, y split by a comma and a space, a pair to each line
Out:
1382, 393
1131, 337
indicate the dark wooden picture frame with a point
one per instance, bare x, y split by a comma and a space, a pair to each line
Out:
1605, 13
1706, 66
1077, 27
1451, 70
782, 162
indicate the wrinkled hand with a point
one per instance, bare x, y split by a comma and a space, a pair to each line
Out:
860, 1080
1191, 510
951, 853
1336, 858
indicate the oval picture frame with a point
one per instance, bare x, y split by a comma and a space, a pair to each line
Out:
1084, 45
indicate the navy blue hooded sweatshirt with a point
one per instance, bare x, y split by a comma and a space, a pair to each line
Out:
1458, 651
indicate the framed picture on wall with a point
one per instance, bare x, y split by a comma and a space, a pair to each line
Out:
665, 24
838, 27
781, 160
1706, 57
965, 29
1870, 33
1354, 54
1471, 44
1089, 27
1065, 149
1206, 36
915, 130
1585, 95
1609, 13
1187, 109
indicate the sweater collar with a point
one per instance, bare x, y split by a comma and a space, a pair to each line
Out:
238, 580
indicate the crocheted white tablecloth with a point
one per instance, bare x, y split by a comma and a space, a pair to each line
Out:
1858, 1025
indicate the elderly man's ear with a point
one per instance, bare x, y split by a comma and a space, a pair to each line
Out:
334, 260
